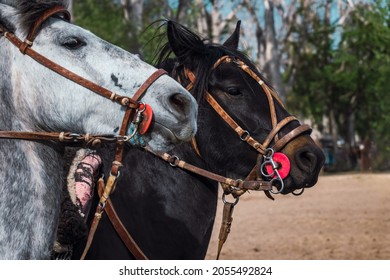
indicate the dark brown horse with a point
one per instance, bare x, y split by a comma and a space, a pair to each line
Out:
170, 212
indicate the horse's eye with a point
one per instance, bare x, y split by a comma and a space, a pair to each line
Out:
73, 43
233, 91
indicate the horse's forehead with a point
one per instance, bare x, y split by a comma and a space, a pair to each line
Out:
55, 27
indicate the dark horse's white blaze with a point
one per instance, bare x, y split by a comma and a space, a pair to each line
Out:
33, 98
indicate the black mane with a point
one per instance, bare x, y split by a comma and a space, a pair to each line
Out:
31, 10
201, 47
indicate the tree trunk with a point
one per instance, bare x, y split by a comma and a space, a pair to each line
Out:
132, 14
182, 10
366, 156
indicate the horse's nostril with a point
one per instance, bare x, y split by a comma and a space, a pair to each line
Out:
306, 161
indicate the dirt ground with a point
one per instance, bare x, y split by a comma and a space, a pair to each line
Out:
343, 217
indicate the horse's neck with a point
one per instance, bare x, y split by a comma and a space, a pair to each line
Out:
30, 181
30, 188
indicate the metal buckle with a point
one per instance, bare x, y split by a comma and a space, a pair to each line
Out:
225, 201
268, 159
175, 161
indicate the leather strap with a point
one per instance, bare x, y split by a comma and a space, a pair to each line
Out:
141, 91
114, 174
243, 134
276, 130
113, 217
227, 220
125, 236
173, 160
291, 135
65, 137
122, 100
28, 42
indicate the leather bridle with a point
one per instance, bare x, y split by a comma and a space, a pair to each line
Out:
265, 150
133, 108
236, 187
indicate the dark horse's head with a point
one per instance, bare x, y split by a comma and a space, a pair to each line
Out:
245, 100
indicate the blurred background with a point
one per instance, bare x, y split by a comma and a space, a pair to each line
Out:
329, 60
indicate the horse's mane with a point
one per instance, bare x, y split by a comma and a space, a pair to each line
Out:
31, 10
198, 54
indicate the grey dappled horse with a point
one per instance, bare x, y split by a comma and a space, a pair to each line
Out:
34, 98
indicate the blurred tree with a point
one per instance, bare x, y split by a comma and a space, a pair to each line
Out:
123, 22
361, 77
104, 18
70, 7
345, 81
267, 42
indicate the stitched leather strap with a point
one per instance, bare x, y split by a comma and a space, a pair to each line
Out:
243, 134
112, 179
123, 233
141, 91
122, 100
45, 15
240, 184
291, 135
65, 137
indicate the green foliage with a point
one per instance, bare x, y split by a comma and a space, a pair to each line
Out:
105, 19
350, 80
365, 79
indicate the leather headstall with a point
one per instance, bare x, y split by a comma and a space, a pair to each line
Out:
254, 179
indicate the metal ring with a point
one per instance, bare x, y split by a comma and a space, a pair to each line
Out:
102, 205
269, 153
225, 201
135, 131
277, 179
173, 164
245, 134
122, 138
298, 193
144, 107
263, 172
117, 176
74, 135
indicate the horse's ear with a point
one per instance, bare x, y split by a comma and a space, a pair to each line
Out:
183, 42
232, 41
